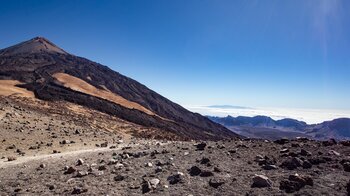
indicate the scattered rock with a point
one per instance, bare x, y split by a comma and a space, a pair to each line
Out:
204, 160
216, 169
112, 162
78, 190
146, 187
346, 165
201, 146
104, 145
176, 178
316, 161
158, 169
215, 182
70, 170
65, 142
295, 183
307, 164
345, 143
281, 141
305, 153
118, 166
292, 163
206, 174
51, 187
261, 181
119, 178
102, 167
11, 158
154, 182
330, 142
348, 187
269, 167
80, 162
195, 171
333, 152
82, 174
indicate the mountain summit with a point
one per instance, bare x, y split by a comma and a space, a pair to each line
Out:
52, 74
35, 45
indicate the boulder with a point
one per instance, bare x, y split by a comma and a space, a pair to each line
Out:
176, 178
261, 181
282, 141
216, 182
70, 170
201, 146
292, 163
295, 183
195, 171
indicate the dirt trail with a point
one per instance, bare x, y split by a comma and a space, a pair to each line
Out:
25, 159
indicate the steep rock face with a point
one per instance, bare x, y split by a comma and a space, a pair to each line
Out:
35, 62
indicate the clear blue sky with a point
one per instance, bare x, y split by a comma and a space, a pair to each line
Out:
270, 53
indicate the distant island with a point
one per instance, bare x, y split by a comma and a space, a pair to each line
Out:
228, 107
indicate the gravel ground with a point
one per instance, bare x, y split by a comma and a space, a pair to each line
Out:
184, 168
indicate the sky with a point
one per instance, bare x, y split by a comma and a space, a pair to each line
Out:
271, 53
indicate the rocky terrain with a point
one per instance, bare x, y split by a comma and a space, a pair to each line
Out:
59, 148
159, 167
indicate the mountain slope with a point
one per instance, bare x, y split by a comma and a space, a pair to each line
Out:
337, 128
37, 63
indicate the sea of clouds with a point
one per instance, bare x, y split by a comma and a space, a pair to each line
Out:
310, 116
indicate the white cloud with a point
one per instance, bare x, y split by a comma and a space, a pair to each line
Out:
310, 116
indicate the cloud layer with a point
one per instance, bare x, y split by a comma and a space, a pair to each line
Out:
310, 116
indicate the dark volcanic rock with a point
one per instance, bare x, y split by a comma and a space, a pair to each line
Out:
204, 160
146, 187
292, 163
295, 183
261, 181
119, 178
330, 142
206, 174
176, 178
70, 170
215, 182
201, 146
195, 171
282, 141
78, 190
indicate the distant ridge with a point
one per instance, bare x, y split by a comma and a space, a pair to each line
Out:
267, 128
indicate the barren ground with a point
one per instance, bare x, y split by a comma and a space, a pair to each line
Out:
31, 130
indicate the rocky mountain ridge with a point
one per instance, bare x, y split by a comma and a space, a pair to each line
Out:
34, 64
